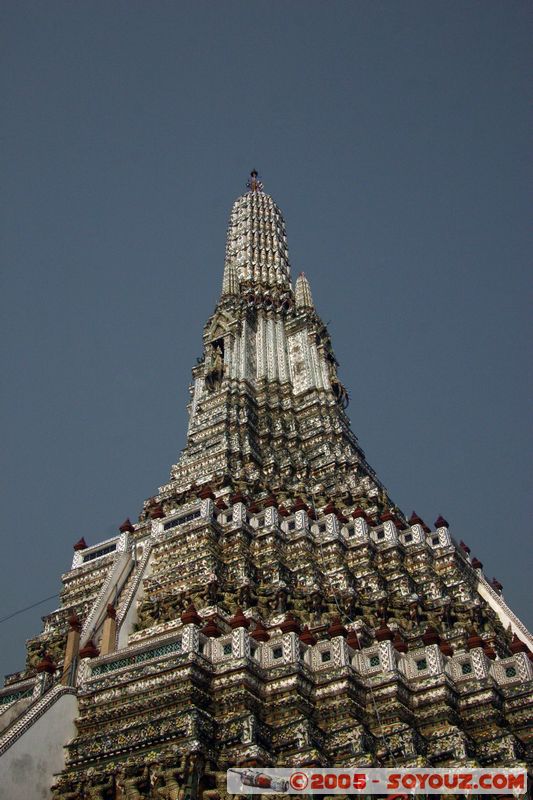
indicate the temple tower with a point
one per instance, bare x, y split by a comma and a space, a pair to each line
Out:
267, 406
271, 605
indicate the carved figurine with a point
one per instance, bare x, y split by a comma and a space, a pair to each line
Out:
383, 610
281, 601
129, 780
220, 792
341, 395
246, 597
215, 371
248, 729
67, 790
167, 780
217, 358
352, 608
212, 592
98, 787
315, 603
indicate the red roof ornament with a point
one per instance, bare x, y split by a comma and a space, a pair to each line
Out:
476, 563
388, 516
220, 504
74, 622
384, 633
399, 643
89, 651
270, 502
260, 633
440, 522
239, 620
359, 514
111, 611
518, 646
238, 498
126, 526
299, 505
282, 511
290, 624
337, 628
46, 665
352, 640
330, 509
430, 636
464, 547
446, 648
307, 637
489, 651
206, 493
211, 629
81, 544
156, 512
253, 508
496, 585
474, 640
191, 616
414, 519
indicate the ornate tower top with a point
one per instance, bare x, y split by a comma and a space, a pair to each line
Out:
256, 245
253, 184
267, 405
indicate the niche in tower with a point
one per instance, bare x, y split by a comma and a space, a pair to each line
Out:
215, 371
339, 392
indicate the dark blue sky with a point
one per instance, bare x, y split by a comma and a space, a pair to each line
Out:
394, 138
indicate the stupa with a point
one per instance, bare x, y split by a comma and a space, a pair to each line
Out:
271, 606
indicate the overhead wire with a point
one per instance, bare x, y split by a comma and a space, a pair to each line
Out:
28, 608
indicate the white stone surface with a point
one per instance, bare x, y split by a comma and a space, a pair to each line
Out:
13, 711
28, 767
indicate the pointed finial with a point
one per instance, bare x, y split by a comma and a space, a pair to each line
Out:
230, 280
302, 289
254, 184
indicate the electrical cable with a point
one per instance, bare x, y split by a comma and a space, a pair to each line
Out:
27, 608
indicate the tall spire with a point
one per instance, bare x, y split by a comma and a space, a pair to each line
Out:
268, 375
256, 243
